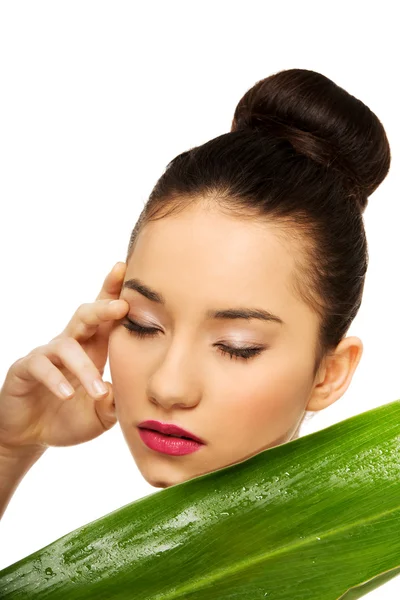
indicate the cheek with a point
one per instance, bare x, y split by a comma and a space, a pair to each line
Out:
261, 400
125, 368
115, 355
250, 401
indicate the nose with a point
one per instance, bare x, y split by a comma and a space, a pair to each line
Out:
175, 381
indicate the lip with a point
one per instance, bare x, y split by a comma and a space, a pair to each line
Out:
166, 444
170, 429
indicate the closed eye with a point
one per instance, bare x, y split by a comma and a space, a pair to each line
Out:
138, 330
242, 353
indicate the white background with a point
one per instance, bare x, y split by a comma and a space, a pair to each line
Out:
95, 99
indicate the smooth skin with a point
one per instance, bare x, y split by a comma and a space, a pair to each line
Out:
198, 260
202, 259
34, 413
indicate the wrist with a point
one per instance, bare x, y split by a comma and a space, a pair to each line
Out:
22, 453
15, 462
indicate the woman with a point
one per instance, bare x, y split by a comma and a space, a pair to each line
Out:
242, 277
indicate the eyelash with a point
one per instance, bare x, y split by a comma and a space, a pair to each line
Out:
141, 332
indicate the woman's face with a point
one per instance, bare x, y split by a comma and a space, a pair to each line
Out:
203, 261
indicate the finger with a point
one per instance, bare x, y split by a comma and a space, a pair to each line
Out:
74, 358
111, 288
38, 367
88, 317
105, 409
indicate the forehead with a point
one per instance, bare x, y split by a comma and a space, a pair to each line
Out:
206, 256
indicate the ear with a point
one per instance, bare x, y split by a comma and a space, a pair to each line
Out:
335, 374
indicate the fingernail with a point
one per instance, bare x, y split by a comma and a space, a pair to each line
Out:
66, 389
113, 301
99, 386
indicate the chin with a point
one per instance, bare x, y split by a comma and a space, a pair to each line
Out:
156, 482
160, 483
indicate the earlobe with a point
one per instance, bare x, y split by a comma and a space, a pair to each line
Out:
339, 368
320, 398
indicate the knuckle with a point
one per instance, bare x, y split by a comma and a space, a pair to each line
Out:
88, 369
50, 372
32, 354
65, 343
32, 359
37, 350
18, 361
15, 365
69, 345
82, 308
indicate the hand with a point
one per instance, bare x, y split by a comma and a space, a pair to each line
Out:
34, 413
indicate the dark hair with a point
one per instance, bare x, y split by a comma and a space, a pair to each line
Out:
303, 154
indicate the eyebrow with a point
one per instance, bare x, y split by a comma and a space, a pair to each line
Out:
229, 313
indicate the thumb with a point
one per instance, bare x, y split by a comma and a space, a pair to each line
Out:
105, 408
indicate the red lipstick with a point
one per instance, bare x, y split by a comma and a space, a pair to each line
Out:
163, 437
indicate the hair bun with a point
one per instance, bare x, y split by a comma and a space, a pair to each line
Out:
321, 121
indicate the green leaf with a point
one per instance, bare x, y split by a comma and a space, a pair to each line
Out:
309, 519
368, 586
